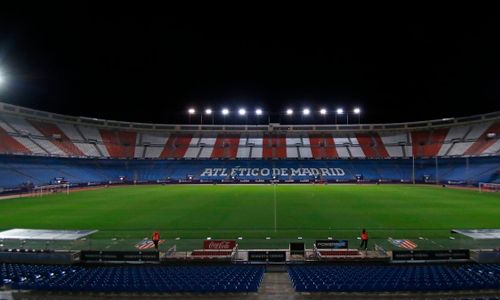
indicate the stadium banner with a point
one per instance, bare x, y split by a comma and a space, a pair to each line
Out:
219, 245
332, 244
271, 172
267, 256
113, 256
403, 255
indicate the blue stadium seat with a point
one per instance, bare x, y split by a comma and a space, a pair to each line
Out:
16, 170
192, 279
425, 278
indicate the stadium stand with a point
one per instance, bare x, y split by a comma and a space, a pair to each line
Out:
10, 145
322, 146
84, 171
176, 146
151, 279
58, 138
360, 150
364, 278
483, 142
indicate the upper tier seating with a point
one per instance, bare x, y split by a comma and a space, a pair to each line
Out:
21, 135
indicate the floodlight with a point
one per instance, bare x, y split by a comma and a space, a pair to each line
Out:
208, 111
340, 111
306, 111
357, 110
191, 111
322, 111
258, 111
289, 111
225, 111
242, 111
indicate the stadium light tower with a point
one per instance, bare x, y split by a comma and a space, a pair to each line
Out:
243, 113
208, 112
339, 111
323, 113
225, 112
191, 111
357, 111
289, 112
258, 113
306, 111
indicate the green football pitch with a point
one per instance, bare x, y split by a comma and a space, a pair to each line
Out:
261, 215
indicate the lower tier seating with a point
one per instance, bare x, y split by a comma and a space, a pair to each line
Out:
424, 278
154, 279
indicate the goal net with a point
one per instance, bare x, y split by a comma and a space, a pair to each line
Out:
489, 187
43, 190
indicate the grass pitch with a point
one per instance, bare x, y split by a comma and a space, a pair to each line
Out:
421, 213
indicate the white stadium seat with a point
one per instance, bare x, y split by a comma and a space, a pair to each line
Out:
192, 152
356, 151
153, 152
459, 148
70, 131
243, 152
305, 152
342, 151
291, 152
394, 151
477, 130
26, 142
456, 133
257, 152
87, 149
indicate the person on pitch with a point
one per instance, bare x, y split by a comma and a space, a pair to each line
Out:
156, 239
364, 240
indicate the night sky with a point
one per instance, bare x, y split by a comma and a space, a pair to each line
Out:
149, 63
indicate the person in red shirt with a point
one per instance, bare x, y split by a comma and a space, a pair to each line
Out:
364, 240
156, 239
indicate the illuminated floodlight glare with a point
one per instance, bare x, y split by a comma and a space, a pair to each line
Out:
289, 111
208, 111
306, 111
258, 112
340, 111
357, 110
191, 111
225, 111
322, 111
242, 111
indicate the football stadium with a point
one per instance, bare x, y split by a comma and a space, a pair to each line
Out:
82, 190
248, 155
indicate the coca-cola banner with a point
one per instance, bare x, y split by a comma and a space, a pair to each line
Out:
219, 245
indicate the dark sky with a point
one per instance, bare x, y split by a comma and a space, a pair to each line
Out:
148, 63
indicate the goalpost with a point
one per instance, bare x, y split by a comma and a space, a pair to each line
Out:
39, 191
489, 187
